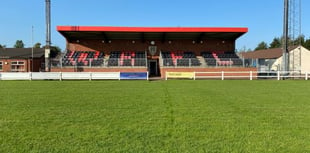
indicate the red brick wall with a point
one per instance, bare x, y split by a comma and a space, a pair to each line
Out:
6, 67
176, 45
164, 70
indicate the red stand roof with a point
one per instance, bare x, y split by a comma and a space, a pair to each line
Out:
150, 29
100, 32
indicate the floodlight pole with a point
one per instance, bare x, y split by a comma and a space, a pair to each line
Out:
48, 34
32, 49
285, 61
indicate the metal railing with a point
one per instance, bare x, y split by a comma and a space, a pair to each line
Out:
166, 63
98, 63
142, 62
202, 62
185, 62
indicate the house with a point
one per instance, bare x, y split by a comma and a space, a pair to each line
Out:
271, 59
21, 59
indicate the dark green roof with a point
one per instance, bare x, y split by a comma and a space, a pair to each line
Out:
25, 53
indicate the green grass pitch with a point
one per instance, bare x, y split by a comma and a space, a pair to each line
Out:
157, 116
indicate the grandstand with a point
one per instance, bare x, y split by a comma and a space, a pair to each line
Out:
152, 49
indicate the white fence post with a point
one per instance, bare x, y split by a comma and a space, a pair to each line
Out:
194, 75
278, 75
166, 75
243, 64
222, 75
60, 62
306, 75
90, 76
251, 75
30, 76
60, 76
147, 75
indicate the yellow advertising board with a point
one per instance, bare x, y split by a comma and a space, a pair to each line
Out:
183, 75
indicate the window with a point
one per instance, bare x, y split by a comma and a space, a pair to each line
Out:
1, 66
17, 66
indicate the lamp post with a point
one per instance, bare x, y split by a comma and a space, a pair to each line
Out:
285, 58
32, 49
48, 33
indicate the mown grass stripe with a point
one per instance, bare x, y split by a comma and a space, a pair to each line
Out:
156, 116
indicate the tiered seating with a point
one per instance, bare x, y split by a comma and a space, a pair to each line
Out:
140, 59
113, 60
229, 59
236, 61
167, 59
127, 59
83, 58
209, 58
221, 59
193, 59
180, 59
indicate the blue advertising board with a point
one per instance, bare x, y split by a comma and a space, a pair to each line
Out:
133, 75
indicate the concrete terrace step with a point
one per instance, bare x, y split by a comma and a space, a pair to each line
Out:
202, 61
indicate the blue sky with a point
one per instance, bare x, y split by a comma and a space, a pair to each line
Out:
263, 17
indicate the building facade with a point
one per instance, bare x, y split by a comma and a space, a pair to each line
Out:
21, 59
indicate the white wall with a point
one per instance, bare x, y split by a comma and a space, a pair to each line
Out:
299, 60
305, 60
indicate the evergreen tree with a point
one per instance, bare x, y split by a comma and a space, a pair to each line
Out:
261, 46
37, 45
276, 43
307, 44
19, 44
